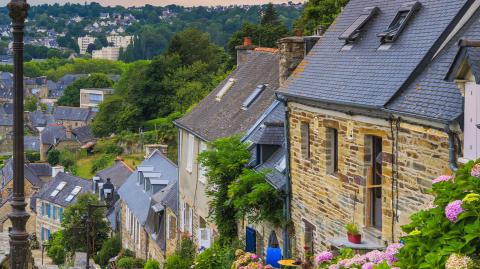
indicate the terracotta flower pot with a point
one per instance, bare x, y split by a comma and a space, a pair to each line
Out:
354, 238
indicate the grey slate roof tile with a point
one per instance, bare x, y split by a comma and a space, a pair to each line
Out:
52, 134
365, 76
60, 199
212, 119
118, 173
72, 113
430, 95
83, 134
32, 143
30, 173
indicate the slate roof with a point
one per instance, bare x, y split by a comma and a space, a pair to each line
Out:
72, 113
133, 195
40, 119
72, 181
277, 179
365, 76
167, 197
118, 173
212, 119
83, 134
30, 174
32, 143
6, 108
6, 120
41, 169
270, 133
52, 134
430, 96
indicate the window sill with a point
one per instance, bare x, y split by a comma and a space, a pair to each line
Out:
463, 160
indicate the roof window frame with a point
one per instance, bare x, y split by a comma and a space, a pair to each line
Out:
393, 31
352, 33
225, 89
254, 96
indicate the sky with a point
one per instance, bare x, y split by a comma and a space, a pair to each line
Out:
157, 2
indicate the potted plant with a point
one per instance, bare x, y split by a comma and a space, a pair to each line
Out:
353, 233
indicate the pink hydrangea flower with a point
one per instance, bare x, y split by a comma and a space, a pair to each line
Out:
375, 256
453, 210
442, 179
324, 256
333, 266
476, 170
391, 251
368, 265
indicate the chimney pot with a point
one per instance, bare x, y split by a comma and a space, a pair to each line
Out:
298, 32
56, 170
247, 41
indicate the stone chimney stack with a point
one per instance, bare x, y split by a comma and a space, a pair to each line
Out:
57, 169
244, 50
292, 52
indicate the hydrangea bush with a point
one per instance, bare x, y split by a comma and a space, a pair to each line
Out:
447, 233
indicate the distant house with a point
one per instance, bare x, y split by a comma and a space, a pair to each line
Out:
52, 199
49, 138
57, 136
92, 98
106, 53
137, 194
39, 120
36, 175
73, 117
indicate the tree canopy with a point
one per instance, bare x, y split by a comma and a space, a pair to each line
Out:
71, 97
319, 13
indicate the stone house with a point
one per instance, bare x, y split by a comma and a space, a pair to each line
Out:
73, 117
231, 109
371, 120
92, 98
58, 137
36, 175
153, 175
53, 198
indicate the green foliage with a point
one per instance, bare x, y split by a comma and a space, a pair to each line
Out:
73, 224
218, 256
40, 68
68, 158
139, 263
42, 52
53, 157
270, 15
253, 197
175, 261
31, 103
152, 264
319, 13
85, 66
432, 238
71, 96
56, 249
225, 161
183, 257
352, 228
102, 162
126, 263
32, 156
110, 248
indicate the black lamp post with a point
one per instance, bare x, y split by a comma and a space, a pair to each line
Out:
107, 192
18, 216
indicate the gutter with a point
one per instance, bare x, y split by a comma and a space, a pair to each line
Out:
288, 187
181, 126
452, 153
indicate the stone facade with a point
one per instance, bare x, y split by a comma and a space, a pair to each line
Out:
330, 200
5, 207
134, 237
53, 224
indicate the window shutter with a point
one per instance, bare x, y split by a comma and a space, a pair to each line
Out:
43, 208
60, 211
48, 211
54, 213
202, 171
471, 106
43, 234
190, 220
477, 107
190, 153
182, 217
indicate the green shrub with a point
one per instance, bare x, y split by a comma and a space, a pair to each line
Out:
102, 162
175, 261
217, 256
139, 263
187, 250
57, 254
53, 157
152, 264
126, 263
32, 156
126, 253
110, 249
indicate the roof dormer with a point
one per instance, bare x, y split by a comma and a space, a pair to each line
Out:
404, 14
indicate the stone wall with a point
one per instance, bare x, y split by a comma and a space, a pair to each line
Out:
329, 201
140, 248
5, 208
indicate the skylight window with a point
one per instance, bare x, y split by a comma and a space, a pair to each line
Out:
250, 99
399, 22
354, 30
281, 165
225, 89
57, 190
74, 193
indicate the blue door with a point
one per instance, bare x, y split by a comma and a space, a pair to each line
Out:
251, 240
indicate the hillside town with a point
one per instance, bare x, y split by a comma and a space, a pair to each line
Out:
346, 140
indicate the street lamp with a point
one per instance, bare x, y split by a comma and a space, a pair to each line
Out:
18, 216
108, 190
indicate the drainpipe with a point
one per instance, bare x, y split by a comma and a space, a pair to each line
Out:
452, 153
288, 188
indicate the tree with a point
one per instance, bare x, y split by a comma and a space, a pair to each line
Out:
53, 157
319, 13
31, 103
192, 46
56, 249
71, 97
224, 161
270, 16
91, 47
110, 248
74, 225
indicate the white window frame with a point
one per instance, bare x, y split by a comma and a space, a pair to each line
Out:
202, 171
472, 118
207, 233
190, 152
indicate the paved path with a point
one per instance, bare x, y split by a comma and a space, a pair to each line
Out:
4, 246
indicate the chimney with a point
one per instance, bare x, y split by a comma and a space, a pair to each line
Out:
292, 52
244, 50
57, 169
95, 182
163, 149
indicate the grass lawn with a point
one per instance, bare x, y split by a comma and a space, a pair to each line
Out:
84, 165
133, 160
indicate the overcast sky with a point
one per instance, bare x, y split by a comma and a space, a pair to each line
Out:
157, 2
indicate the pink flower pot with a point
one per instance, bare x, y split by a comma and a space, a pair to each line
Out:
354, 238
